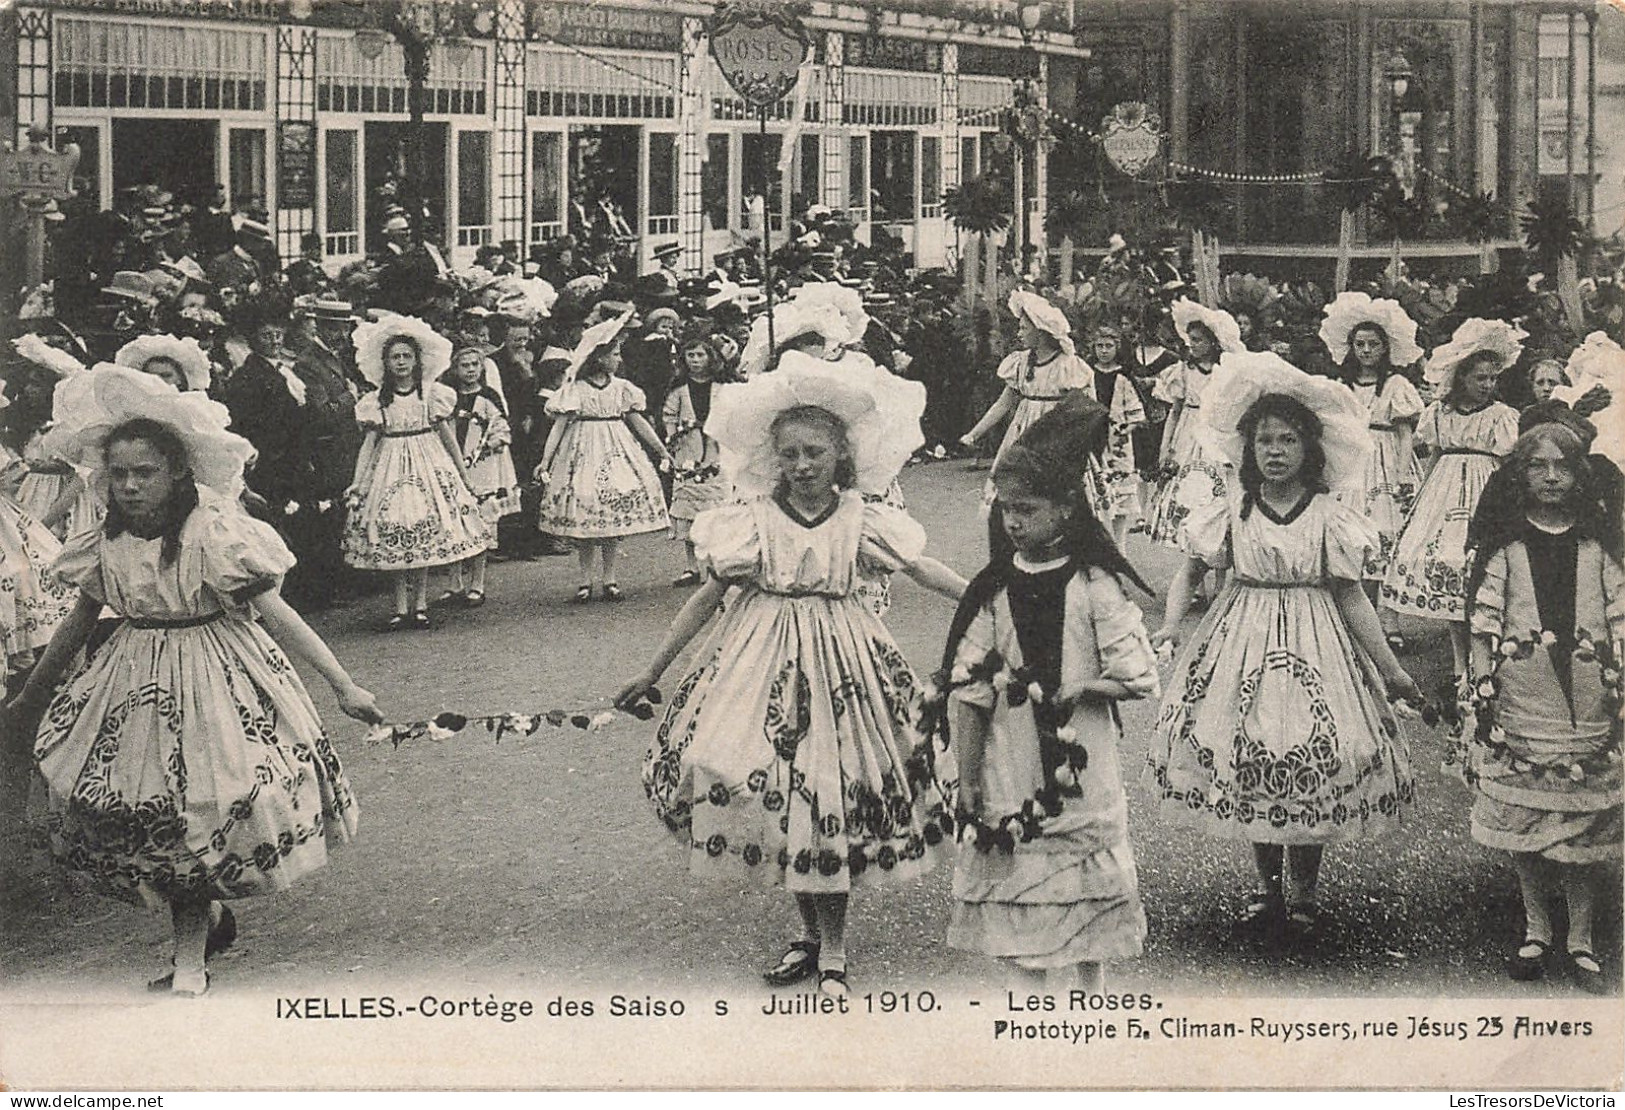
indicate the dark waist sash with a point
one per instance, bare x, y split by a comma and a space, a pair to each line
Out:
1039, 396
1266, 584
178, 622
602, 419
408, 435
1468, 451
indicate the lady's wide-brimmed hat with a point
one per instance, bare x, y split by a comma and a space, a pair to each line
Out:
185, 353
1243, 377
881, 413
372, 337
1351, 309
1503, 340
88, 406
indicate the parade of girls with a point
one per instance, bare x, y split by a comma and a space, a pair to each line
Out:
1325, 501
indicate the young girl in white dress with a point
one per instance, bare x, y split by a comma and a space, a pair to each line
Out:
479, 424
1191, 480
1045, 879
788, 755
1274, 725
1467, 431
1372, 342
412, 504
184, 761
697, 483
601, 487
1115, 492
52, 491
1036, 377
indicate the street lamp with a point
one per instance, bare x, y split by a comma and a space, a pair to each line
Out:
1029, 15
1397, 71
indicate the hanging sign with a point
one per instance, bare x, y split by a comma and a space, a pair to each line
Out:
296, 164
1131, 137
37, 173
759, 49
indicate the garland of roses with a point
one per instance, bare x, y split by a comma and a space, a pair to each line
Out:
1019, 686
445, 725
699, 473
1486, 689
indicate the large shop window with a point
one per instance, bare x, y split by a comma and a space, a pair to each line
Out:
87, 175
245, 165
930, 177
570, 83
136, 64
968, 165
809, 176
353, 82
546, 185
473, 188
759, 164
892, 164
663, 170
1421, 120
857, 177
343, 215
714, 182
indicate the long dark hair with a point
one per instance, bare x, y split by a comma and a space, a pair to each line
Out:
1303, 421
183, 499
1452, 399
1348, 371
1503, 507
386, 391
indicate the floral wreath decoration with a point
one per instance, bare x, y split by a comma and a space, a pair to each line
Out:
447, 724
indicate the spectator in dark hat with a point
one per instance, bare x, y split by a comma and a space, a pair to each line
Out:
267, 401
238, 269
305, 275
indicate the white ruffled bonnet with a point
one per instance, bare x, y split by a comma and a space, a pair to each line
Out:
881, 413
33, 348
1502, 339
846, 301
1351, 309
86, 407
1044, 316
185, 353
1600, 361
593, 338
1223, 325
371, 337
790, 320
1243, 377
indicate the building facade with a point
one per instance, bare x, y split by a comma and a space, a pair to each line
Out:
542, 117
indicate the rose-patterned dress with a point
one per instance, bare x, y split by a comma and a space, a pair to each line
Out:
1275, 725
698, 483
1070, 894
600, 483
185, 757
46, 480
1392, 474
1040, 387
1546, 770
480, 427
1427, 576
415, 511
1193, 479
1113, 484
788, 755
33, 600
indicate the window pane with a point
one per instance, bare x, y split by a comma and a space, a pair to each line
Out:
473, 173
857, 172
930, 170
714, 181
662, 173
87, 175
892, 174
759, 158
809, 176
247, 165
546, 184
967, 158
341, 190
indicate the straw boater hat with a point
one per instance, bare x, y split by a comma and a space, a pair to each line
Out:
133, 286
1243, 377
42, 354
372, 337
1223, 325
668, 250
880, 410
192, 359
89, 406
1350, 310
1500, 338
1044, 316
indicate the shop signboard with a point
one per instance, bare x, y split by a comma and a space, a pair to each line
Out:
883, 52
1131, 137
296, 164
604, 26
976, 59
759, 50
37, 173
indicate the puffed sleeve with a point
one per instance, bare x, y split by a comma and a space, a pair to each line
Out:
1079, 376
440, 400
1170, 384
79, 563
566, 401
973, 648
1205, 534
1350, 536
1401, 400
242, 557
727, 541
368, 412
1010, 369
891, 539
1126, 654
1503, 429
1488, 617
632, 398
1427, 428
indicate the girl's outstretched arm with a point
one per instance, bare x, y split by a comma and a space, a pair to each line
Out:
71, 635
1180, 590
640, 428
550, 448
289, 629
363, 461
1363, 625
937, 577
449, 439
684, 627
970, 727
1003, 407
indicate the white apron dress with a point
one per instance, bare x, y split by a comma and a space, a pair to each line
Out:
600, 483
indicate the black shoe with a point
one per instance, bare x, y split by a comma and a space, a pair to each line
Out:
1526, 969
799, 962
1587, 972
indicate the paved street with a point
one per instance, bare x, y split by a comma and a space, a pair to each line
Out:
538, 861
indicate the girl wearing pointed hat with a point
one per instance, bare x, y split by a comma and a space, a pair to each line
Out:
1274, 726
788, 756
412, 503
1372, 342
184, 762
1467, 431
600, 485
1036, 377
